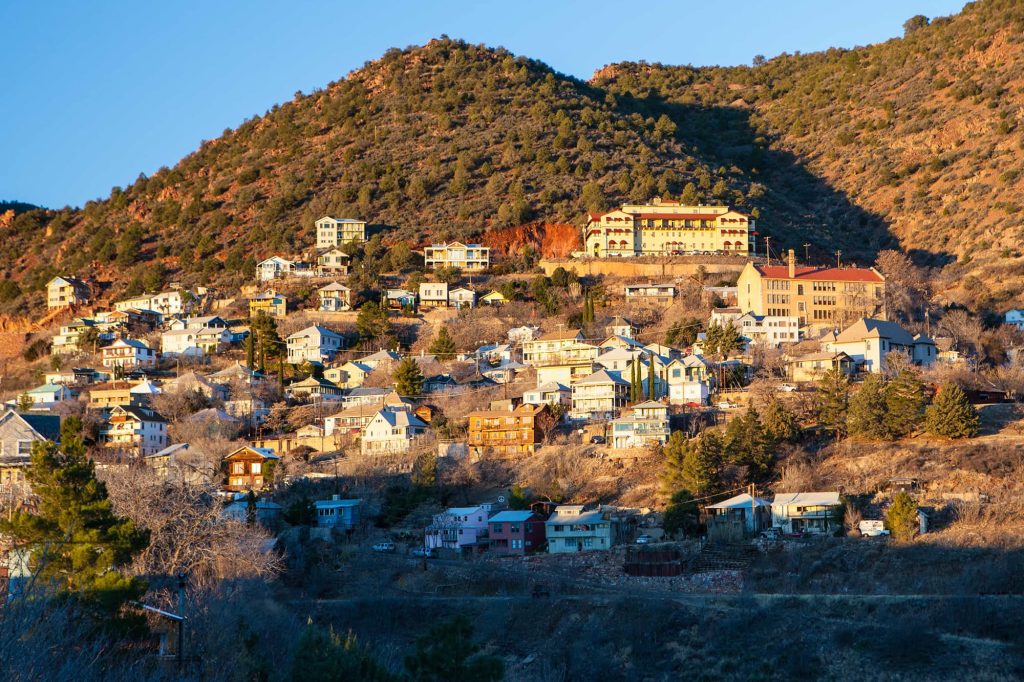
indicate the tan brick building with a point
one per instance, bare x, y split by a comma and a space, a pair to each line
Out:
816, 296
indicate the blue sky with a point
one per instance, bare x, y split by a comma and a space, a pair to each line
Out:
93, 93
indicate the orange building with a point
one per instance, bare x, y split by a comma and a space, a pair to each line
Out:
507, 432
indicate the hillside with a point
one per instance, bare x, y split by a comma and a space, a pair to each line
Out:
922, 133
442, 141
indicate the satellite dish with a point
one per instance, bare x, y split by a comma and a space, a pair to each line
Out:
501, 498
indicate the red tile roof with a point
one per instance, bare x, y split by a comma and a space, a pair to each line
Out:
677, 216
832, 274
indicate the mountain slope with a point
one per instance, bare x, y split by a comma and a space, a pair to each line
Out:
923, 132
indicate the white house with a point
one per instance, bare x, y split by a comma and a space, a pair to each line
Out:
550, 393
337, 231
313, 344
50, 394
275, 267
807, 512
349, 375
390, 432
195, 342
466, 257
599, 396
868, 341
646, 424
571, 528
458, 527
522, 334
332, 261
138, 430
128, 354
1015, 317
334, 298
461, 297
653, 293
433, 294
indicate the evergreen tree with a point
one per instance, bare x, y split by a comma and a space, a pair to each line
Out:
449, 653
443, 346
634, 382
650, 378
951, 415
672, 478
702, 465
24, 403
250, 351
722, 340
372, 322
867, 416
76, 540
424, 471
323, 656
747, 444
681, 514
408, 378
904, 403
901, 517
833, 398
779, 423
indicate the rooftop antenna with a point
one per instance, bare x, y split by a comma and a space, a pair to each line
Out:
807, 253
838, 259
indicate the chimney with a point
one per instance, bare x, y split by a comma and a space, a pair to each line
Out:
792, 264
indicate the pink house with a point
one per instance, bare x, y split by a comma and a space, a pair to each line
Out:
516, 532
459, 527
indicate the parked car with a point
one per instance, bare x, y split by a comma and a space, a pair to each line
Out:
423, 552
644, 539
772, 534
384, 547
597, 440
727, 405
789, 388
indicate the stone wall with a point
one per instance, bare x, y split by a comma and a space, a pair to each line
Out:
649, 267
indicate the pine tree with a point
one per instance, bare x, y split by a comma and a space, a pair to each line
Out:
703, 465
747, 444
75, 538
866, 416
323, 656
901, 517
779, 423
672, 479
408, 378
424, 471
951, 415
250, 350
833, 398
443, 346
449, 653
905, 403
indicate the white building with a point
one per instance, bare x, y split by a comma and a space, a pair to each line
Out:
571, 528
390, 432
167, 303
433, 295
337, 231
338, 513
651, 293
335, 298
276, 267
550, 393
646, 424
195, 342
458, 527
807, 512
137, 430
128, 354
315, 344
868, 341
461, 297
599, 396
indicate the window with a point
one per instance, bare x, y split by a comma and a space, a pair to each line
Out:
257, 468
517, 544
237, 468
24, 447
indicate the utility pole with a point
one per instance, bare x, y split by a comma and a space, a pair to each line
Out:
768, 249
807, 253
839, 259
181, 623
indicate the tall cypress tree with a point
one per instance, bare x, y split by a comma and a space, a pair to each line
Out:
650, 378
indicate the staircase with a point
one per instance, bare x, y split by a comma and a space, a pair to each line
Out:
720, 556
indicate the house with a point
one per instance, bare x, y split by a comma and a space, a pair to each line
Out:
236, 373
520, 335
495, 298
65, 291
332, 261
459, 527
550, 393
202, 322
812, 366
332, 232
313, 344
364, 395
688, 380
565, 374
768, 330
381, 357
311, 387
571, 528
515, 532
138, 430
48, 395
195, 342
349, 375
738, 516
72, 335
816, 296
554, 347
646, 424
166, 303
1015, 317
721, 295
807, 512
334, 298
650, 292
465, 257
109, 394
504, 373
868, 341
183, 463
390, 432
493, 353
271, 304
128, 354
619, 359
275, 267
400, 299
599, 396
433, 295
515, 432
461, 297
437, 383
616, 342
262, 511
17, 434
352, 420
620, 326
668, 228
250, 468
195, 382
338, 513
